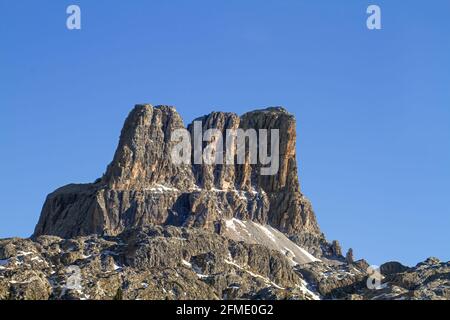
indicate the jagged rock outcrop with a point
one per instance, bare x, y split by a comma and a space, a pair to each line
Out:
336, 249
392, 267
142, 159
349, 256
172, 263
163, 263
143, 186
428, 280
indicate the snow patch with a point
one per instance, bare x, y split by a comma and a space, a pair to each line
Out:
159, 188
306, 253
304, 288
267, 232
255, 275
255, 233
187, 264
37, 259
241, 223
24, 253
230, 224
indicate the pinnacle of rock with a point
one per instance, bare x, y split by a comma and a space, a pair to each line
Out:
143, 186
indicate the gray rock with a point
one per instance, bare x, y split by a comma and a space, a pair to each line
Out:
142, 186
147, 263
392, 267
349, 256
336, 249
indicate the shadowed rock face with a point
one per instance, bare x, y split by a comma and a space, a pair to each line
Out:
143, 186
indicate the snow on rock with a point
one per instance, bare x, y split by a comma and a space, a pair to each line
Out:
159, 188
267, 232
254, 275
304, 288
252, 232
187, 264
117, 267
230, 224
24, 253
37, 259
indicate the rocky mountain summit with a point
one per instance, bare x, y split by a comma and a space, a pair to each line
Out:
151, 228
143, 186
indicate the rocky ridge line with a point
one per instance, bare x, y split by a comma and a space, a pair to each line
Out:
142, 186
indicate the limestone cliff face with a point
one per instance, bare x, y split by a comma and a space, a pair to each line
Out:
143, 186
142, 159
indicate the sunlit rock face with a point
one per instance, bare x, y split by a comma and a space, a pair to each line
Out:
143, 186
155, 228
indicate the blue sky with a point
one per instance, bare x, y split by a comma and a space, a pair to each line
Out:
373, 107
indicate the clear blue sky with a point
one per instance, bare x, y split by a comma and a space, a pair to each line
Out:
373, 107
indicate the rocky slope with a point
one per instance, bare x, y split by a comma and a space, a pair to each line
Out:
153, 229
146, 263
191, 263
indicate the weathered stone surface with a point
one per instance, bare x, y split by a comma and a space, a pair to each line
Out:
143, 157
147, 263
342, 281
142, 186
336, 249
349, 256
332, 281
290, 211
392, 268
191, 263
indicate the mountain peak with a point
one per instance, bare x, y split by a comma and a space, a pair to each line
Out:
142, 158
143, 185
